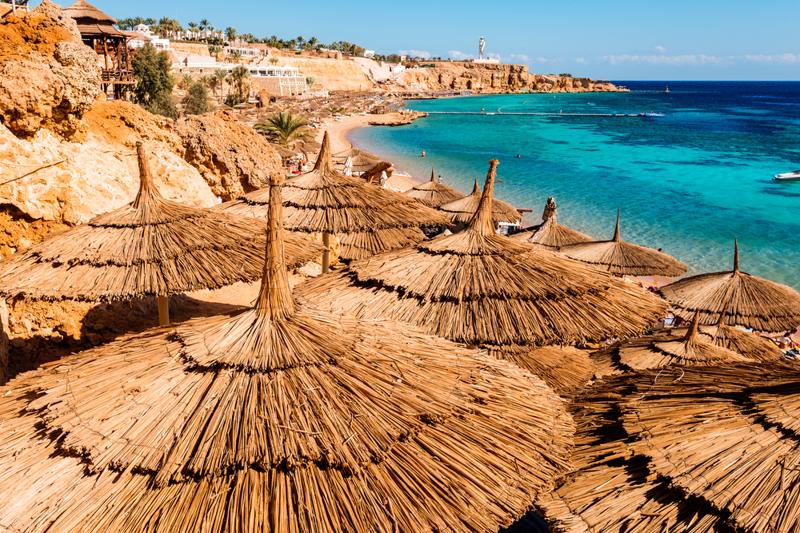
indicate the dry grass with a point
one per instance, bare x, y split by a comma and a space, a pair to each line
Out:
433, 193
744, 300
484, 289
282, 418
622, 258
463, 210
152, 246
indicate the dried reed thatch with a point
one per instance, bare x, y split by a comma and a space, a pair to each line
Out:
325, 201
690, 347
463, 210
363, 244
433, 193
622, 258
550, 233
152, 246
692, 447
744, 299
87, 12
279, 419
484, 289
565, 369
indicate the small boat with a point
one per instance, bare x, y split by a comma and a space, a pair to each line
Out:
788, 176
666, 89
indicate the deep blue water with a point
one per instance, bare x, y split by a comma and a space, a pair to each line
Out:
688, 182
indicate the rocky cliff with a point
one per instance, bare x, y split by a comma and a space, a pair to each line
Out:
67, 155
48, 78
483, 78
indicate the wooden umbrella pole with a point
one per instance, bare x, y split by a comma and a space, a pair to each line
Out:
163, 309
326, 252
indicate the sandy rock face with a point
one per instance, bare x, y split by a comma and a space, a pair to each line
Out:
48, 77
72, 182
4, 343
232, 157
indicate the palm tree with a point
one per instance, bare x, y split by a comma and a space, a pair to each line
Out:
239, 88
230, 34
205, 25
284, 128
220, 76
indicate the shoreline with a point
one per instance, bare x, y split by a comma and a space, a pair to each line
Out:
340, 132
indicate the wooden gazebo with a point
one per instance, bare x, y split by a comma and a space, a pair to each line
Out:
99, 32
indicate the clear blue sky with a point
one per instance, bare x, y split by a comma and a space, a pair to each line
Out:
611, 39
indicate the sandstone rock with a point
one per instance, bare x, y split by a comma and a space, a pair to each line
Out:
72, 182
4, 341
232, 157
48, 78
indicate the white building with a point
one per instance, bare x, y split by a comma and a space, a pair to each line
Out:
369, 54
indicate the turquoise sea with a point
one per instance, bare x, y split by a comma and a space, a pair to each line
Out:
689, 181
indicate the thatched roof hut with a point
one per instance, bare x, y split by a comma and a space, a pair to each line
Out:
90, 20
325, 201
550, 233
623, 258
686, 449
282, 418
743, 299
150, 247
461, 211
484, 289
433, 193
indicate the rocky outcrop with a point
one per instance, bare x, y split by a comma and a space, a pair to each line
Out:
52, 179
568, 84
48, 77
4, 342
488, 78
232, 157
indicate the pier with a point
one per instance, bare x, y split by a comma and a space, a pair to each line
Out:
544, 114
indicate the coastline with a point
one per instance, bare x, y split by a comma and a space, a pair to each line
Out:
341, 131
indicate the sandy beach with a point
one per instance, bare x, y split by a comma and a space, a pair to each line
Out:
340, 131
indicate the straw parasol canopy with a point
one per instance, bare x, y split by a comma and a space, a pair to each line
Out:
282, 419
325, 201
623, 258
484, 289
744, 299
565, 369
690, 347
150, 247
695, 449
550, 233
461, 211
363, 244
433, 193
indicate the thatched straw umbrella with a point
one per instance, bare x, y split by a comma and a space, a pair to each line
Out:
743, 299
623, 258
463, 210
484, 289
151, 247
363, 244
433, 193
550, 233
684, 347
325, 201
686, 449
282, 419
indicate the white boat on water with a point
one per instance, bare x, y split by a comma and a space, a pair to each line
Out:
788, 176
